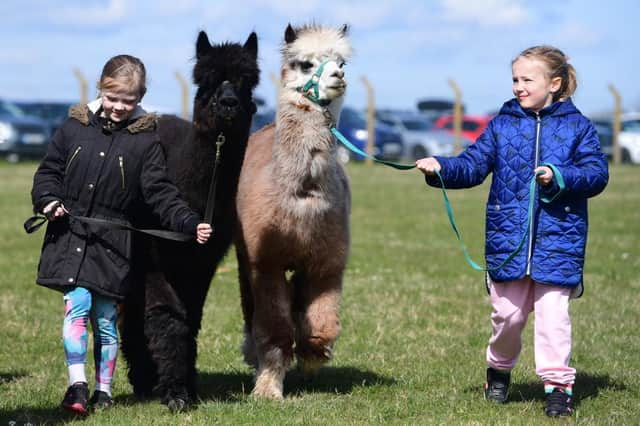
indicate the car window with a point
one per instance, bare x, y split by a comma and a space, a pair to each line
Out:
387, 122
630, 126
7, 108
416, 124
470, 125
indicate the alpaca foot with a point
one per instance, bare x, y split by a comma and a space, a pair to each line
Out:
269, 384
177, 405
176, 402
309, 363
310, 367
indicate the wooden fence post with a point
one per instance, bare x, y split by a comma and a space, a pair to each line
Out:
617, 114
276, 82
184, 95
371, 120
457, 117
84, 98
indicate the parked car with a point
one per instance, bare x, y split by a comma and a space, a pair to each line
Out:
472, 125
433, 108
605, 134
421, 139
628, 139
353, 125
261, 118
21, 136
53, 113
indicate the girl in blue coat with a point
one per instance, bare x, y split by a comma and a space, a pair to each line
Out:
539, 133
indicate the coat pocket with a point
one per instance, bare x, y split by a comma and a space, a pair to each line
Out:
504, 227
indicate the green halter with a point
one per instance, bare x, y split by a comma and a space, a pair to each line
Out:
311, 89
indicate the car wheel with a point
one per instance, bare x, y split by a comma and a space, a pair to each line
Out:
419, 152
626, 156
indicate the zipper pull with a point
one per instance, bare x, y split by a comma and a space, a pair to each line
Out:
121, 161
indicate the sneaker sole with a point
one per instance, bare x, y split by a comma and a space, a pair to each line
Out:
76, 408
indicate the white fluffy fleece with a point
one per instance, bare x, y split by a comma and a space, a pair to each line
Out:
315, 41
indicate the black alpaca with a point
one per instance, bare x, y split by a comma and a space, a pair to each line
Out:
161, 319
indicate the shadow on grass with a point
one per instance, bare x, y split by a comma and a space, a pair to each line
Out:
37, 416
229, 387
586, 386
11, 376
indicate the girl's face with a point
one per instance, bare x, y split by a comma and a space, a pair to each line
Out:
531, 84
118, 103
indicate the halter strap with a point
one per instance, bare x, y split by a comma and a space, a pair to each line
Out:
311, 89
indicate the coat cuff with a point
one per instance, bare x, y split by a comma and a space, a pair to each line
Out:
43, 202
555, 188
190, 225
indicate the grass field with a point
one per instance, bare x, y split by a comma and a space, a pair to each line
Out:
415, 322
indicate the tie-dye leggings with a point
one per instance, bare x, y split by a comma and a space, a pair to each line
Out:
80, 306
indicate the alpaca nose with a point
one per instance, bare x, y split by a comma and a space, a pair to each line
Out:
338, 73
229, 102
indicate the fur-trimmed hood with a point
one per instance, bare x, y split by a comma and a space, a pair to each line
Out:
141, 121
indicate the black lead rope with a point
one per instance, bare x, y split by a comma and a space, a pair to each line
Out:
35, 222
211, 198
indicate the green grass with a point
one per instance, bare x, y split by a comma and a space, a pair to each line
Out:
415, 322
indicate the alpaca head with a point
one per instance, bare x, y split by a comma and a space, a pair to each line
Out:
226, 75
315, 54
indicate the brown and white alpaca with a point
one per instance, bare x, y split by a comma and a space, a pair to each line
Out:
293, 207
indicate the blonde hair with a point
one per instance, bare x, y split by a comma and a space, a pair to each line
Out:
558, 65
124, 70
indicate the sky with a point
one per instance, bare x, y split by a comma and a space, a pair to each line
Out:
407, 49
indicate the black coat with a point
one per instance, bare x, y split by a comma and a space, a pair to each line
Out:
117, 174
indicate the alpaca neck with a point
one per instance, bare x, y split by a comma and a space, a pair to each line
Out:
305, 152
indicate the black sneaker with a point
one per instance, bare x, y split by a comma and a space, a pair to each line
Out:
75, 399
100, 400
497, 387
558, 403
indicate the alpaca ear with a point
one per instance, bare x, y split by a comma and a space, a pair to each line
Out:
202, 45
251, 45
344, 30
290, 34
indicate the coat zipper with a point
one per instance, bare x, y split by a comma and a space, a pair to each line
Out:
535, 164
73, 156
121, 162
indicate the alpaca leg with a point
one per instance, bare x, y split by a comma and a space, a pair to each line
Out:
142, 373
171, 343
317, 321
246, 299
272, 328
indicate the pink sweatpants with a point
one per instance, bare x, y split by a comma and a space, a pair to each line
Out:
512, 302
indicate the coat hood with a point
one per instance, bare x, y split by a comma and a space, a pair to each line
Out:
140, 120
512, 107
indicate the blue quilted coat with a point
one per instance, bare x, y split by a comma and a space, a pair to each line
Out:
514, 143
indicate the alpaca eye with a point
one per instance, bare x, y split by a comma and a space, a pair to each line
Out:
306, 66
342, 64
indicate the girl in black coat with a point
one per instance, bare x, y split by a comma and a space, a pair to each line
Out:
104, 162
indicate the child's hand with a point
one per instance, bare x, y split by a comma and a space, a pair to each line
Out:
54, 210
203, 232
545, 178
429, 166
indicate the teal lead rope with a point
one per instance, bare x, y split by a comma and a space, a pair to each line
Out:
474, 265
447, 203
311, 91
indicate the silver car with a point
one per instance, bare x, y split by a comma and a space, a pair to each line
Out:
420, 138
